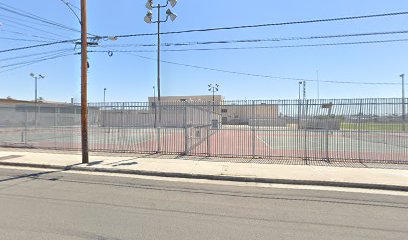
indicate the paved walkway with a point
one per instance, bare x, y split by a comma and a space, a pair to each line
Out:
366, 177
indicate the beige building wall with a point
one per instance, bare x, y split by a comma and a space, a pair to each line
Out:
242, 114
218, 99
203, 101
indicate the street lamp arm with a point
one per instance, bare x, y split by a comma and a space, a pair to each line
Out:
72, 10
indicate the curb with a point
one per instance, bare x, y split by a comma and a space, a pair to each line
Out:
214, 177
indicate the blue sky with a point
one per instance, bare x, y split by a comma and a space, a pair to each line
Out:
131, 78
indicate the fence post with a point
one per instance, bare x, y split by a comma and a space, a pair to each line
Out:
359, 131
209, 123
186, 139
253, 128
55, 125
158, 129
305, 119
25, 124
327, 133
38, 116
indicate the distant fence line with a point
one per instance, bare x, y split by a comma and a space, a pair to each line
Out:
329, 129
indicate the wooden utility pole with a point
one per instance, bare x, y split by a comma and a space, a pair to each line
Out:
84, 83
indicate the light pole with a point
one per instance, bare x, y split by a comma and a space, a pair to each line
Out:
148, 19
403, 101
300, 95
304, 90
213, 89
300, 85
36, 77
104, 96
318, 84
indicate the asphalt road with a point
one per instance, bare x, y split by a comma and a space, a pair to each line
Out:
62, 205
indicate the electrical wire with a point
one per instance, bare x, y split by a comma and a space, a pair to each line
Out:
31, 28
38, 45
24, 40
36, 61
36, 54
255, 75
26, 21
23, 13
270, 47
271, 24
28, 35
264, 40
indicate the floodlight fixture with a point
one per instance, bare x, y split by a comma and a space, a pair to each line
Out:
172, 15
148, 17
173, 2
149, 4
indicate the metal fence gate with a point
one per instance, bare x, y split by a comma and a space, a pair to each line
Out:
328, 130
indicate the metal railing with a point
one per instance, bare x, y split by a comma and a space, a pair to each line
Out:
365, 130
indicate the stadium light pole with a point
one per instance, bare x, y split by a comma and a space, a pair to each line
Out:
304, 90
36, 77
299, 99
403, 101
104, 96
213, 89
300, 85
148, 19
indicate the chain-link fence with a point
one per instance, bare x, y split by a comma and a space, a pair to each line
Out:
331, 130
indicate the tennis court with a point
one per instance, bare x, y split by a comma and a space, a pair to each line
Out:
109, 139
350, 130
305, 144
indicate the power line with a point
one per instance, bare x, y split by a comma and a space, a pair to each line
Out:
26, 21
33, 28
38, 45
273, 24
252, 74
36, 61
265, 40
271, 47
49, 23
36, 54
49, 56
23, 40
23, 13
26, 34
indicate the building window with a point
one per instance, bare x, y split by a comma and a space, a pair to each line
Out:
224, 110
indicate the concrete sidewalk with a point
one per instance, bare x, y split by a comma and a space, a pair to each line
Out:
358, 177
